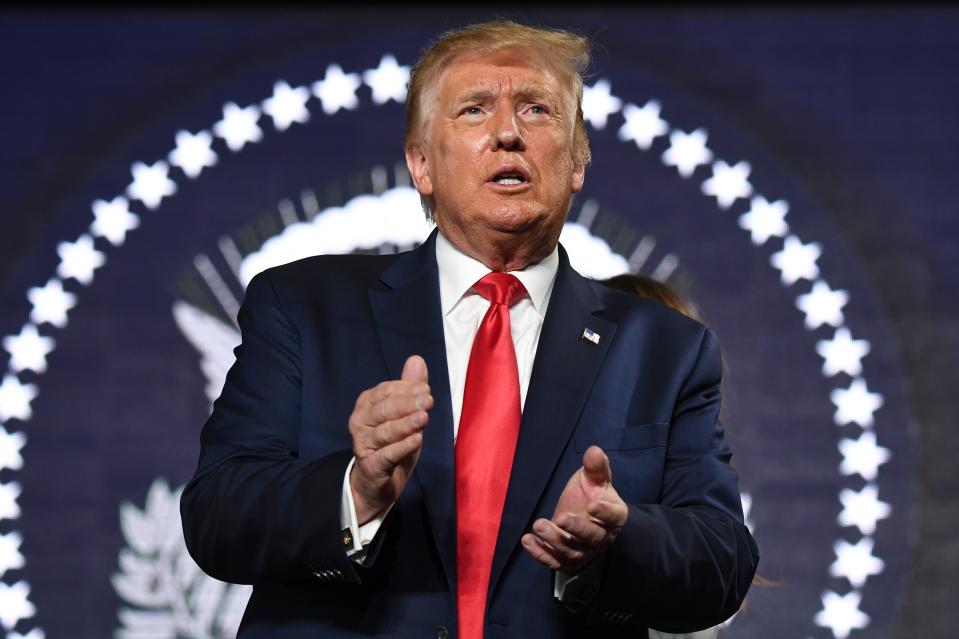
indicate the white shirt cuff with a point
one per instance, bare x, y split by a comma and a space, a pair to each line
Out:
361, 535
577, 591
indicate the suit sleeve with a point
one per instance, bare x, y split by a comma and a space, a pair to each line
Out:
684, 563
254, 511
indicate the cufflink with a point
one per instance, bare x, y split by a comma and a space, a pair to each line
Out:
347, 538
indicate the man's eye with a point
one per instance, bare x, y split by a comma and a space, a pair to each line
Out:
473, 110
537, 109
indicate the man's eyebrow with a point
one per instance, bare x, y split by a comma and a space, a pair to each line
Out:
531, 92
478, 94
535, 93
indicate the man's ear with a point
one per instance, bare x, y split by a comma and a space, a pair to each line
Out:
578, 177
418, 165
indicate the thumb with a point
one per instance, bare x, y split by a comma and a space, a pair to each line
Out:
596, 466
414, 370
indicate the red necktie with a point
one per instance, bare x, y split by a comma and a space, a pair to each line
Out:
485, 443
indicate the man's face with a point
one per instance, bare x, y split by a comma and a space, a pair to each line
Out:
496, 153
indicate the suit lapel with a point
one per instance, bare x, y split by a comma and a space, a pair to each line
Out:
561, 380
409, 321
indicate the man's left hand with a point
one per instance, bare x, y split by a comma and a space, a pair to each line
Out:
587, 519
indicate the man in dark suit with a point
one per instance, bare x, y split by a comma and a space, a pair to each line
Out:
544, 457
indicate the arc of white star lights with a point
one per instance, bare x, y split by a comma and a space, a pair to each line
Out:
765, 219
29, 350
151, 183
598, 104
388, 81
337, 90
687, 151
288, 105
193, 152
79, 259
113, 220
643, 124
728, 183
10, 445
239, 126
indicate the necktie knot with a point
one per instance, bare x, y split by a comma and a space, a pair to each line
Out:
500, 288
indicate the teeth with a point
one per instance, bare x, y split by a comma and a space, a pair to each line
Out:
507, 179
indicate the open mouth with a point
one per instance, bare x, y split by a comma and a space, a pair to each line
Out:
510, 177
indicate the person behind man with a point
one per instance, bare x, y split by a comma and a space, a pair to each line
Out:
470, 439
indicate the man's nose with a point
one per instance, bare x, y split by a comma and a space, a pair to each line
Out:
507, 133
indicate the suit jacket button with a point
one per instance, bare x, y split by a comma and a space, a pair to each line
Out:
442, 632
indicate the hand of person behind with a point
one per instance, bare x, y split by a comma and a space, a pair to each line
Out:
387, 427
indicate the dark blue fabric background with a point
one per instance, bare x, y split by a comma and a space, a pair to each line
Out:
849, 114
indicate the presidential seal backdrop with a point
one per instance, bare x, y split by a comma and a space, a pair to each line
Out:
122, 321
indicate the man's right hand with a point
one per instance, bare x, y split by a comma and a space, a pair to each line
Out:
387, 428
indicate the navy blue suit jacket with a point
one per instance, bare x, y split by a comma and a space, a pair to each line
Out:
263, 507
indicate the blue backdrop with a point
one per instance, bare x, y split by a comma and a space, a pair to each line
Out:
791, 171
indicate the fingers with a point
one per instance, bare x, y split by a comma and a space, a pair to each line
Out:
596, 466
389, 432
559, 549
612, 513
389, 401
540, 551
582, 529
396, 453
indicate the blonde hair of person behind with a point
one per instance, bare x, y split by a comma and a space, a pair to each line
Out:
569, 52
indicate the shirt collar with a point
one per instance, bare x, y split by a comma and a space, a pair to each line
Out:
459, 271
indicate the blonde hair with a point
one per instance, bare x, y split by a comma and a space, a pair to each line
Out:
569, 51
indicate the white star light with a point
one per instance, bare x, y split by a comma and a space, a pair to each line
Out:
113, 219
855, 562
10, 556
728, 183
687, 151
598, 104
862, 509
288, 105
842, 354
150, 183
337, 90
238, 126
765, 219
822, 305
388, 81
10, 445
79, 259
643, 125
15, 603
841, 613
29, 349
15, 398
9, 508
855, 404
193, 152
862, 456
797, 260
51, 303
747, 502
36, 633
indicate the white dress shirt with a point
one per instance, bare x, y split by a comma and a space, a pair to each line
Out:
463, 310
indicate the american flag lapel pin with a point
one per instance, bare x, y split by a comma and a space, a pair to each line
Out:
590, 335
